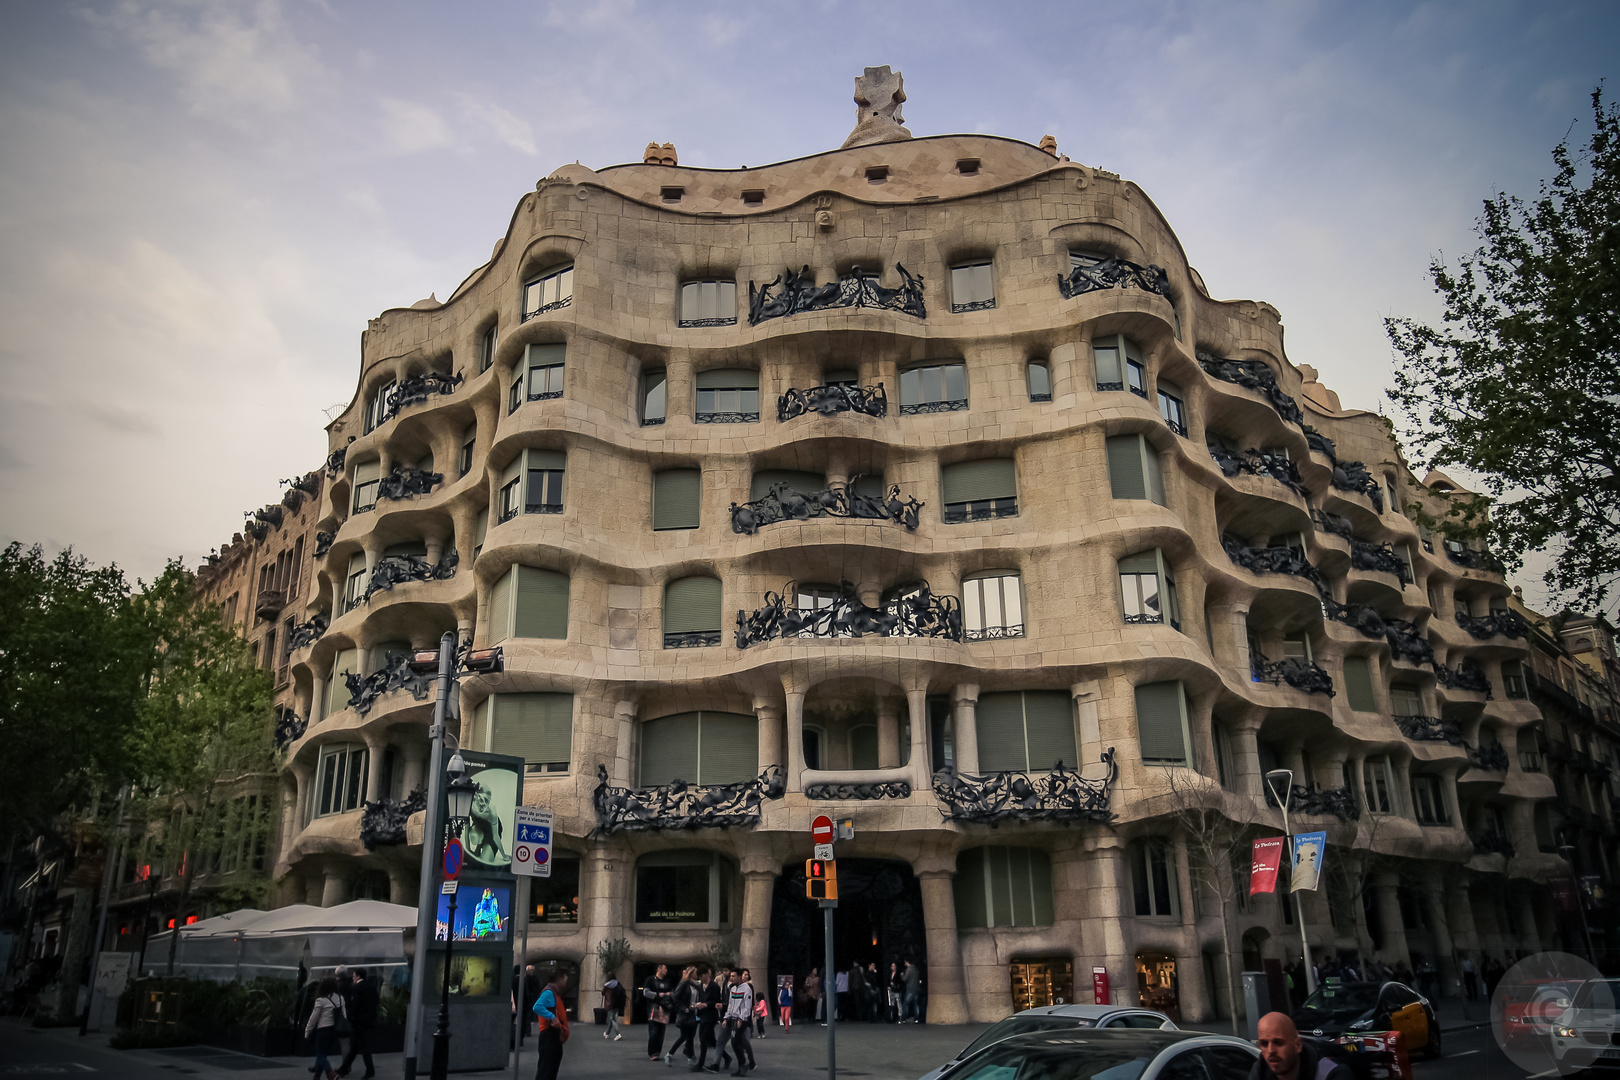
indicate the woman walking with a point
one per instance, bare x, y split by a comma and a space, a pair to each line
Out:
684, 1004
323, 1026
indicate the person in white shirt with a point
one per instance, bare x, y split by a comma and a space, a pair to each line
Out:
739, 1017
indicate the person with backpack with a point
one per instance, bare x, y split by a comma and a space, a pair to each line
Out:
784, 1008
683, 1003
552, 1013
613, 1004
326, 1024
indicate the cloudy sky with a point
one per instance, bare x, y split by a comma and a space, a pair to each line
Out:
203, 201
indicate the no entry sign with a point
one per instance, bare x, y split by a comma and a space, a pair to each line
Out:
452, 859
821, 829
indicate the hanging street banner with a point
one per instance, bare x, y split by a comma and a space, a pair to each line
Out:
1263, 870
531, 856
1309, 848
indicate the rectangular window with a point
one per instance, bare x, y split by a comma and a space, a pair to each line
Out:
1513, 680
687, 886
510, 494
1119, 364
529, 602
708, 303
1133, 469
367, 475
545, 469
480, 531
1153, 878
1358, 684
1428, 800
342, 775
992, 607
1223, 754
703, 748
486, 349
933, 388
1040, 380
677, 499
379, 407
469, 438
654, 397
1172, 409
728, 397
1379, 782
692, 612
1003, 886
1405, 701
973, 287
979, 491
550, 291
1161, 723
539, 728
1147, 591
354, 583
540, 377
1025, 731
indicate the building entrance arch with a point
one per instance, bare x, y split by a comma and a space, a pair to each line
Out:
879, 921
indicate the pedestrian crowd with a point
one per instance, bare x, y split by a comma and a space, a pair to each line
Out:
345, 1007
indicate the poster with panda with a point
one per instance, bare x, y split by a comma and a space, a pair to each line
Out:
488, 835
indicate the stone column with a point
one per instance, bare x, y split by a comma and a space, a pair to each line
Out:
1434, 900
415, 769
947, 993
401, 886
336, 886
1521, 821
302, 778
888, 718
1105, 940
376, 748
314, 887
624, 754
1245, 740
759, 885
1238, 628
317, 699
1395, 951
922, 770
604, 893
1192, 995
795, 740
965, 704
1088, 722
435, 548
770, 734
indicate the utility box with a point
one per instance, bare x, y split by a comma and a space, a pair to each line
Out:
1256, 1001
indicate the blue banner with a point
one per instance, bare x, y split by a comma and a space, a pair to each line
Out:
1309, 848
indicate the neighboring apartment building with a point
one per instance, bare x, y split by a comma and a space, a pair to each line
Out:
876, 483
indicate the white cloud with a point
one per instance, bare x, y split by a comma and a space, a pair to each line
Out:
506, 126
412, 128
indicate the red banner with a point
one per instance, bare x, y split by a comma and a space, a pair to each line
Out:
1099, 986
1263, 871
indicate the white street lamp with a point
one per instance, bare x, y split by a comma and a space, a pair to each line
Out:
1284, 779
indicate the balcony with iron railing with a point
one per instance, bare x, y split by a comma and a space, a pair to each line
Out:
269, 603
1492, 843
1301, 674
1420, 728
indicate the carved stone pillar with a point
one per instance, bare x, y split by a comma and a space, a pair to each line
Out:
965, 703
795, 740
317, 700
922, 770
401, 886
1434, 900
1192, 992
415, 771
1387, 891
770, 734
1087, 702
947, 993
376, 750
435, 549
1246, 757
624, 731
1238, 629
758, 888
888, 718
335, 889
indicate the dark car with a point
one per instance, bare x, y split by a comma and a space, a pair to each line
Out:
1131, 1054
1350, 1008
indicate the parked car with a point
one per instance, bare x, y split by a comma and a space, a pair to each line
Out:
1368, 1006
1058, 1018
1587, 1034
1530, 1009
1117, 1054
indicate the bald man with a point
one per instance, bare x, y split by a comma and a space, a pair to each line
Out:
1284, 1055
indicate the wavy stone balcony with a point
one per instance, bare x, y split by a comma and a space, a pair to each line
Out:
783, 503
830, 400
916, 614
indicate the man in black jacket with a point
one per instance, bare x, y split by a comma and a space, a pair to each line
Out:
1284, 1055
655, 991
362, 1007
710, 1000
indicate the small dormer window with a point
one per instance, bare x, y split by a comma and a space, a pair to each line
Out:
753, 197
672, 194
968, 166
877, 174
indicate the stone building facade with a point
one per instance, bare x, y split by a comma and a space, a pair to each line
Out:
877, 483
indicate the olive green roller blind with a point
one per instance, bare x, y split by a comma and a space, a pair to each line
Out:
512, 471
1106, 353
870, 485
1126, 475
541, 599
669, 750
972, 908
1000, 723
1161, 722
975, 481
1025, 730
677, 498
805, 483
500, 609
346, 662
1143, 562
728, 748
367, 471
1049, 729
1003, 886
1358, 684
539, 728
478, 733
692, 605
728, 379
547, 459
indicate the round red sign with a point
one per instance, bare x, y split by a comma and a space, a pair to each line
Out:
821, 829
452, 859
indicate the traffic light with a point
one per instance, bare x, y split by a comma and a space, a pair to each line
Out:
820, 879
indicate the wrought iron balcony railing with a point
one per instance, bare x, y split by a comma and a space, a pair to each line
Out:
1258, 463
1253, 375
1378, 558
415, 390
364, 690
692, 639
403, 482
290, 727
1319, 442
1475, 560
1407, 643
782, 503
997, 633
1353, 476
307, 633
832, 399
1304, 675
982, 510
726, 418
923, 408
918, 613
1488, 757
336, 460
1272, 560
1333, 524
383, 823
401, 569
323, 543
1421, 728
1060, 795
876, 789
793, 292
1310, 799
555, 305
1465, 676
1113, 273
1506, 624
681, 806
1493, 843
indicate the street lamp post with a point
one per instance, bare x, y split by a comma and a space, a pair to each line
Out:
1285, 777
1568, 852
461, 793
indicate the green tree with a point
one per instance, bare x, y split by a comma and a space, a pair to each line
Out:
1521, 381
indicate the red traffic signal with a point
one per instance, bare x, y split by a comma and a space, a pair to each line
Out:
820, 879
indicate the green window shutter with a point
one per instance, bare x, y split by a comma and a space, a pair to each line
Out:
1125, 477
1106, 353
337, 691
805, 483
547, 459
539, 728
728, 750
1040, 887
544, 355
500, 608
863, 747
481, 527
1405, 701
367, 471
1143, 562
1049, 729
1155, 478
677, 498
669, 750
975, 481
1161, 728
478, 733
971, 912
999, 879
1023, 894
1358, 684
692, 605
728, 379
999, 719
512, 471
541, 609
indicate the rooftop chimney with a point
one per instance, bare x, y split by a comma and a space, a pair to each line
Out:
659, 155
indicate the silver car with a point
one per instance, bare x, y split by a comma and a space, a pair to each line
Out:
1059, 1018
1089, 1054
1587, 1034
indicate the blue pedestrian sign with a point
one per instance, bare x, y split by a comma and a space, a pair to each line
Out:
531, 850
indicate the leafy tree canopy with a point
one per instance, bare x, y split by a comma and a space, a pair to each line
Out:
1521, 381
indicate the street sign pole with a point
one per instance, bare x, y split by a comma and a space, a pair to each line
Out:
829, 987
432, 836
521, 908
